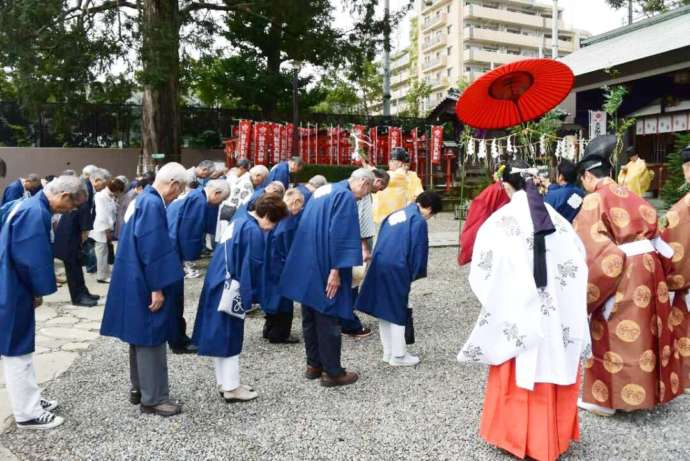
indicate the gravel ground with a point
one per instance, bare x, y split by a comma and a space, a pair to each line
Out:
428, 412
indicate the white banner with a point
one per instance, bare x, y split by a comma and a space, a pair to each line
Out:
650, 125
680, 122
597, 123
665, 124
639, 126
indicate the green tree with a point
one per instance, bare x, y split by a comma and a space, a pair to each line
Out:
419, 90
648, 6
675, 186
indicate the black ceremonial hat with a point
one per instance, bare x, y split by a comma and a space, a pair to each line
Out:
597, 153
400, 154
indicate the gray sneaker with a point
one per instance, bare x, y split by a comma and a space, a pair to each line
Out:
164, 409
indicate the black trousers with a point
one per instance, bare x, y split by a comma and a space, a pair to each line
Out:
277, 326
322, 341
178, 336
75, 279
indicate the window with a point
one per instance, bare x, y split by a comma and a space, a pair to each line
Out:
468, 69
513, 52
449, 71
449, 29
491, 49
449, 50
448, 9
512, 30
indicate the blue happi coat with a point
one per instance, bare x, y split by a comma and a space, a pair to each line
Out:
26, 272
243, 210
328, 236
146, 261
566, 199
280, 172
15, 190
218, 334
400, 257
186, 224
306, 193
278, 244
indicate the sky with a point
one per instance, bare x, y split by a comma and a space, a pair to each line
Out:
594, 16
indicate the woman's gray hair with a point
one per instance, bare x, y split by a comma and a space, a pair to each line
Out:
318, 181
279, 185
259, 169
219, 185
100, 173
208, 165
364, 174
69, 184
173, 172
89, 170
124, 180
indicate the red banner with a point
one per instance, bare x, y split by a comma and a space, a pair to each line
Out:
394, 138
303, 145
245, 138
289, 138
261, 143
374, 145
277, 142
436, 144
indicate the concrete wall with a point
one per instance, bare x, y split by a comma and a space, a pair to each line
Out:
44, 161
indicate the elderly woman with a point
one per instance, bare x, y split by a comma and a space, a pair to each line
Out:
240, 194
104, 226
279, 310
232, 284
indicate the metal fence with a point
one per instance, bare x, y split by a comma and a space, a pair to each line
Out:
103, 125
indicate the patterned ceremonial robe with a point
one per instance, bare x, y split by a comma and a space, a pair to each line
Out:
677, 234
634, 365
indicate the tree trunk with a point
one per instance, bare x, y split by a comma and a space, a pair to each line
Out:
160, 117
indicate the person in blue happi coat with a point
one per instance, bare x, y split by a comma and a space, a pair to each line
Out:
235, 271
309, 187
279, 310
146, 265
26, 275
21, 188
400, 257
281, 171
566, 197
318, 273
186, 230
275, 187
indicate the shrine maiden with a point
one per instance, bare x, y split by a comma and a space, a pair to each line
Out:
530, 276
400, 257
233, 282
146, 264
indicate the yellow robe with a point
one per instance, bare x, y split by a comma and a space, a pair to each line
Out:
636, 177
403, 188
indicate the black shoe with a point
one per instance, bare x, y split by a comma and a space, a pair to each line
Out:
289, 340
85, 301
188, 349
164, 409
94, 297
134, 396
363, 333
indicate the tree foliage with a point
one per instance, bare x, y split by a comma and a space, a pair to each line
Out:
649, 6
675, 186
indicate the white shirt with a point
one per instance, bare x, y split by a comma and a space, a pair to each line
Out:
106, 214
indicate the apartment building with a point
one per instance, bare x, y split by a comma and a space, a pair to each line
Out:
456, 40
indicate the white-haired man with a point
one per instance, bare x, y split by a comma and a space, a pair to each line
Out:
21, 188
200, 174
318, 273
308, 188
186, 229
26, 275
98, 179
146, 263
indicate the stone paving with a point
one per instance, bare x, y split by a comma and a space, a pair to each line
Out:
62, 332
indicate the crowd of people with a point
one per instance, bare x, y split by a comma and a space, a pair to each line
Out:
583, 291
151, 230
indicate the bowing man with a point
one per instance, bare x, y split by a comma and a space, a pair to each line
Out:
318, 273
145, 265
281, 171
279, 310
26, 275
186, 230
400, 257
309, 187
21, 188
237, 260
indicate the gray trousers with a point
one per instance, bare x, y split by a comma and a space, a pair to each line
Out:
148, 371
102, 267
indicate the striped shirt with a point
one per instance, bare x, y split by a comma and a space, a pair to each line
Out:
365, 210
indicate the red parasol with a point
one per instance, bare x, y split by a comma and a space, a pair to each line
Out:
515, 93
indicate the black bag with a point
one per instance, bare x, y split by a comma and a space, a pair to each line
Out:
409, 328
111, 253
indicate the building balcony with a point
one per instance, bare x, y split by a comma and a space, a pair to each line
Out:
508, 38
434, 42
434, 63
437, 83
434, 21
434, 4
401, 62
490, 57
508, 17
399, 79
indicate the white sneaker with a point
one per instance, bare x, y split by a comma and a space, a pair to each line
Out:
47, 420
241, 394
595, 409
193, 274
408, 360
387, 358
49, 405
